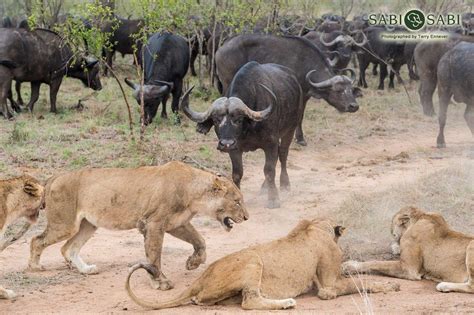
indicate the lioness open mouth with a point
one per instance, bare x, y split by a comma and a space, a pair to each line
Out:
228, 222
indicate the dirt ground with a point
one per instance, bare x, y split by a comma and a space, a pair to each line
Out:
394, 164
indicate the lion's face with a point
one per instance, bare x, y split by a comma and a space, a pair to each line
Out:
24, 199
229, 206
401, 221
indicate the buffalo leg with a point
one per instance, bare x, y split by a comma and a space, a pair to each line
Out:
53, 93
18, 93
5, 87
194, 53
363, 64
237, 166
283, 149
391, 84
35, 88
189, 234
383, 75
164, 115
469, 117
444, 98
374, 69
177, 91
154, 235
426, 90
271, 158
14, 104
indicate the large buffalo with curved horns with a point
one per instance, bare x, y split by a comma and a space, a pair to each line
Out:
261, 110
337, 45
311, 67
166, 61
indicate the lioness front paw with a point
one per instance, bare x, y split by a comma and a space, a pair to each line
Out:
195, 260
350, 267
327, 293
89, 270
35, 267
289, 303
392, 287
7, 294
443, 287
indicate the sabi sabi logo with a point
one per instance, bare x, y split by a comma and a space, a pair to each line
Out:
415, 20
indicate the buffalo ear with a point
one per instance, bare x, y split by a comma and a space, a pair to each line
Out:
32, 188
357, 92
339, 230
205, 126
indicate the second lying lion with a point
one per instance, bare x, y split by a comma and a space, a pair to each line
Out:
429, 249
268, 276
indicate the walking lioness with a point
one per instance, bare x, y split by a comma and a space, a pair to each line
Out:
154, 199
268, 276
429, 249
19, 197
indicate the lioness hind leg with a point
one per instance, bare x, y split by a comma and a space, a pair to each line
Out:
71, 249
51, 235
468, 286
6, 294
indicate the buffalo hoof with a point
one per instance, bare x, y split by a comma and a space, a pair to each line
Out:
273, 204
302, 142
441, 145
285, 187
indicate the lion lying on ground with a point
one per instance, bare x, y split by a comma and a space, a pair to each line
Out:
268, 276
154, 199
429, 249
19, 197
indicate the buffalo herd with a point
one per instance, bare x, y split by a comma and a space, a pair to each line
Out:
265, 75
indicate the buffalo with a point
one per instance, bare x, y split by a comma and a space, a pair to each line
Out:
455, 79
378, 51
166, 61
262, 108
40, 56
123, 38
427, 55
311, 67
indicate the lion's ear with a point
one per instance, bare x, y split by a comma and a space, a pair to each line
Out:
339, 230
404, 219
218, 185
32, 188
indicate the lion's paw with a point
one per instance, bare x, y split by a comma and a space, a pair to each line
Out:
392, 286
195, 261
327, 293
8, 294
350, 267
89, 270
35, 268
443, 287
288, 303
162, 285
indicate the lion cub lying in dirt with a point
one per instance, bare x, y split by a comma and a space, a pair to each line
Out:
429, 249
154, 199
268, 276
19, 197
